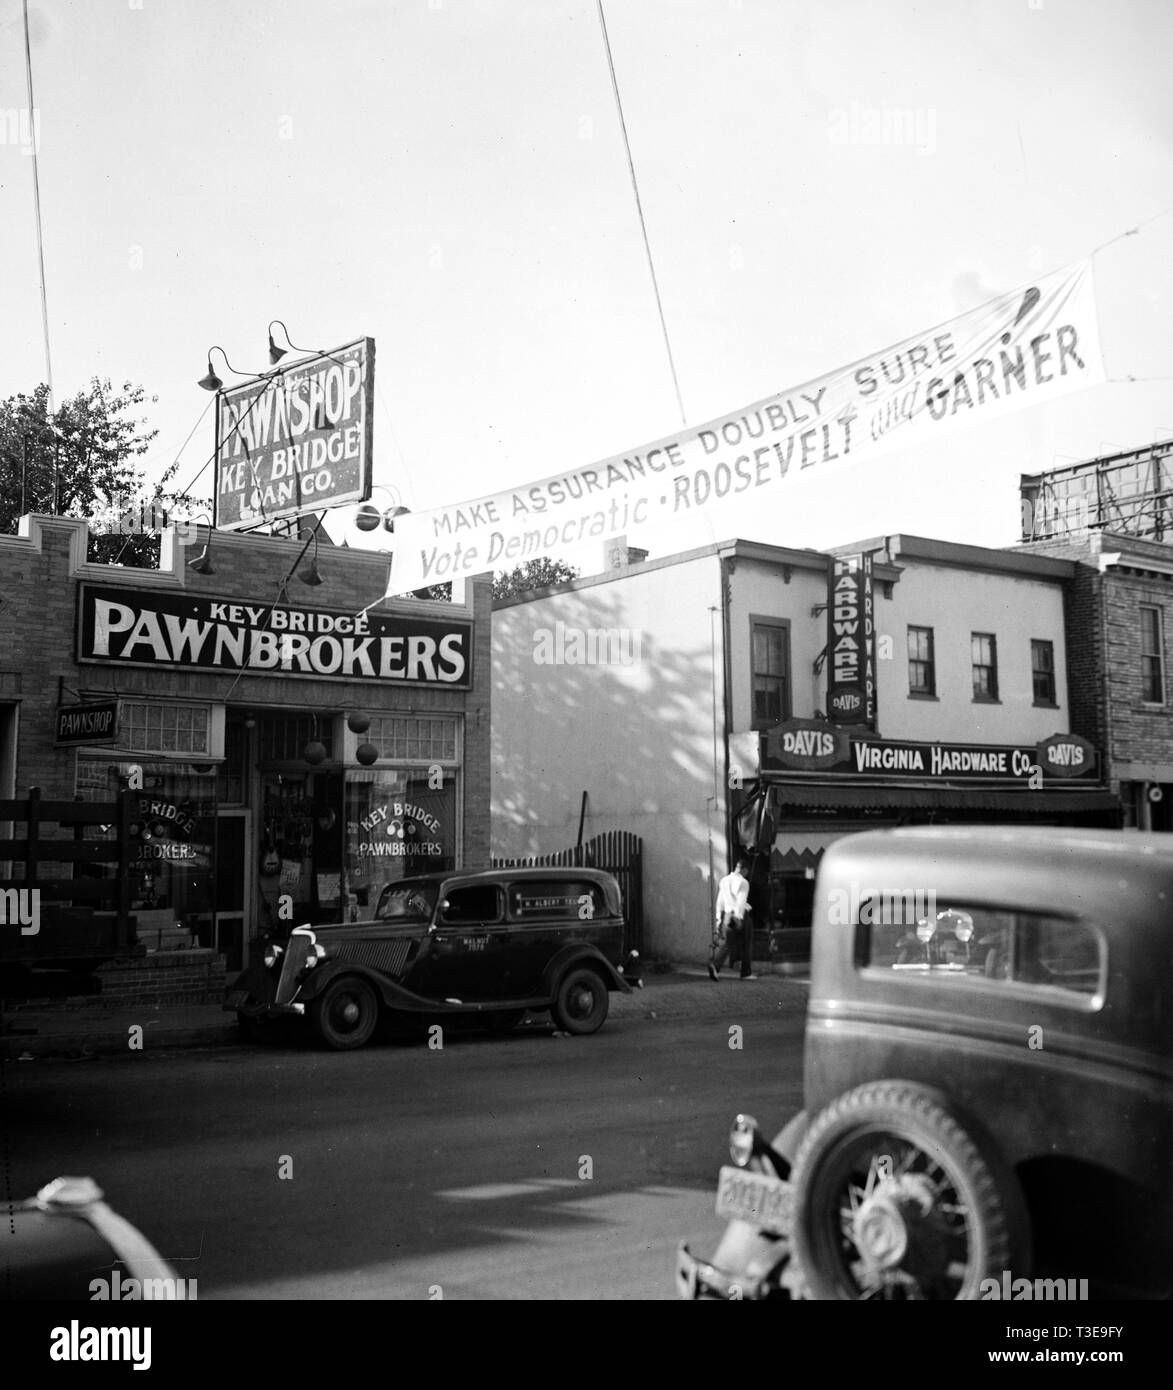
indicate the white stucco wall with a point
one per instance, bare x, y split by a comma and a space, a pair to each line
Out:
955, 603
638, 737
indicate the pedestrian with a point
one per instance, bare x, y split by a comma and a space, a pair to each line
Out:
732, 938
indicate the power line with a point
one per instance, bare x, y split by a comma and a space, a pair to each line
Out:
639, 209
34, 137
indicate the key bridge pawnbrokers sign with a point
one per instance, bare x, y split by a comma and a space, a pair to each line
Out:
132, 627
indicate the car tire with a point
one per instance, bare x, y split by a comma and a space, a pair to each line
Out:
934, 1221
581, 1003
345, 1014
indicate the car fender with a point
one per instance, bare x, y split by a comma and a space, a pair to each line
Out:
581, 953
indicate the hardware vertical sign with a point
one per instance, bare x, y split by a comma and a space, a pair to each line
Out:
851, 630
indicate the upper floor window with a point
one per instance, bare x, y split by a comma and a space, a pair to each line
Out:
984, 649
1042, 666
1152, 657
164, 728
771, 673
922, 673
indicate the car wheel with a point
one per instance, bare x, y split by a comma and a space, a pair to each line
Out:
581, 1004
895, 1200
344, 1015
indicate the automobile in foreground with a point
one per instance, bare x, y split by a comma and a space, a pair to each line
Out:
492, 945
68, 1243
987, 1079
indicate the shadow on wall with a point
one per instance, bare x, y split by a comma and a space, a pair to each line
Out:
623, 719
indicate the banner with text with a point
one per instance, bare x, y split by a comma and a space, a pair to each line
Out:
1023, 348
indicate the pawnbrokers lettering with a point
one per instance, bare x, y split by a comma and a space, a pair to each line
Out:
178, 630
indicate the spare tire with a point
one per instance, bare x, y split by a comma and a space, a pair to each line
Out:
896, 1199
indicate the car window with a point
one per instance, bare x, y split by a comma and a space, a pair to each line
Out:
480, 902
921, 936
406, 902
574, 899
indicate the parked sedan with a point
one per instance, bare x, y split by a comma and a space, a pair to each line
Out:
988, 1079
491, 945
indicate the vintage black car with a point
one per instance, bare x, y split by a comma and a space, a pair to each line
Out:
495, 944
988, 1079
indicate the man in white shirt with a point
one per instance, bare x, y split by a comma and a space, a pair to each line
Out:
733, 922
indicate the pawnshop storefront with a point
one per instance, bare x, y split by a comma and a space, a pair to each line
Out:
818, 781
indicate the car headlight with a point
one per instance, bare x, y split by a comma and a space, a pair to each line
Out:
743, 1140
317, 954
273, 954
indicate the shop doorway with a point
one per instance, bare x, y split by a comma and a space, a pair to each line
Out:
235, 886
300, 851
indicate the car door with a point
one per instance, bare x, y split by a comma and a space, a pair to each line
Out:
467, 956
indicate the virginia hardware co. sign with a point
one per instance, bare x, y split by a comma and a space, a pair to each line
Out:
148, 628
811, 745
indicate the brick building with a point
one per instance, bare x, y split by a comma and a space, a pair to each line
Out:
295, 739
1119, 617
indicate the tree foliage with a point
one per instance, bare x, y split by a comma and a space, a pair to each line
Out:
542, 573
89, 451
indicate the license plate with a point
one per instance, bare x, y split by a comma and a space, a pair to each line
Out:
765, 1202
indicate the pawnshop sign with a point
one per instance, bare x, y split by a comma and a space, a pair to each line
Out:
144, 628
296, 441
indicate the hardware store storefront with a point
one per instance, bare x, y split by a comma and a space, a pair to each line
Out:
818, 782
290, 750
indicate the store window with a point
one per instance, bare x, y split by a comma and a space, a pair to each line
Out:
407, 738
984, 649
770, 646
173, 835
1042, 663
922, 671
164, 728
399, 822
1152, 657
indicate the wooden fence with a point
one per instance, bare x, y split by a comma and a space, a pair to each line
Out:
617, 852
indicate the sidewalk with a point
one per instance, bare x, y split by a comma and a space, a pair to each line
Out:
77, 1034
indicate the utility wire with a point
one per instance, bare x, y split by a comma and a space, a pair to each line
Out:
33, 135
639, 209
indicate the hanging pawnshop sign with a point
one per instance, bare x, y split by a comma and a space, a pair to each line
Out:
296, 441
95, 722
807, 745
851, 633
147, 628
1020, 349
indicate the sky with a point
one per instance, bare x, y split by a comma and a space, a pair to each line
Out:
448, 177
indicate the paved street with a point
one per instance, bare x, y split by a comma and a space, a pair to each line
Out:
521, 1167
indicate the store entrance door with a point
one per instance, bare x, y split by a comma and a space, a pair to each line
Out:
300, 851
234, 887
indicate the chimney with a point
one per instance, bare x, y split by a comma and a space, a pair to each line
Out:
617, 554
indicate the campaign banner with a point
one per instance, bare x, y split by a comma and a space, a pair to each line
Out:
297, 440
851, 634
1021, 349
178, 630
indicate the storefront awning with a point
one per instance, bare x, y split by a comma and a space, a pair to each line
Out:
906, 799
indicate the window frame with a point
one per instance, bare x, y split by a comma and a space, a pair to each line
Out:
782, 625
1038, 644
992, 696
929, 691
1158, 656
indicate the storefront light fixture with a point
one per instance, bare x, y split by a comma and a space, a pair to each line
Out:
202, 564
277, 353
370, 518
212, 382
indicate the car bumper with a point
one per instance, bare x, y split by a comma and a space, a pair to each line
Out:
747, 1266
